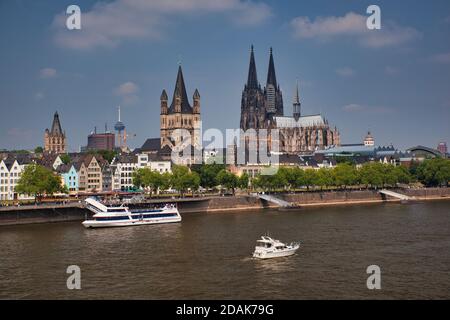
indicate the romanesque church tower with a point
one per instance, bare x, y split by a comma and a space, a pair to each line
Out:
180, 114
55, 139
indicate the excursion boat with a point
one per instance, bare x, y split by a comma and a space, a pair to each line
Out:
122, 216
267, 248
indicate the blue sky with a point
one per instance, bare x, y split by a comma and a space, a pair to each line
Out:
393, 81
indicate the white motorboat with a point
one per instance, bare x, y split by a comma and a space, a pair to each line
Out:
121, 216
266, 248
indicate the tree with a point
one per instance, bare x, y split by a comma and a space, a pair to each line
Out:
39, 181
108, 155
65, 158
243, 181
299, 177
182, 179
227, 179
38, 150
289, 176
310, 177
434, 172
345, 175
208, 174
324, 177
146, 178
371, 174
402, 175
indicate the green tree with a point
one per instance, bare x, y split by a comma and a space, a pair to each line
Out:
65, 158
147, 178
345, 175
371, 174
324, 177
208, 174
299, 177
243, 181
434, 172
402, 175
182, 179
310, 178
39, 181
108, 155
38, 150
227, 179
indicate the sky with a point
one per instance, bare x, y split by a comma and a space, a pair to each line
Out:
394, 81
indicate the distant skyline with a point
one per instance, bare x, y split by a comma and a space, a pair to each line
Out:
393, 82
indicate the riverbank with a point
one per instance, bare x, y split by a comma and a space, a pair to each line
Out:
76, 212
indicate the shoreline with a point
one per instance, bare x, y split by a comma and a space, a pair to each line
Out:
237, 203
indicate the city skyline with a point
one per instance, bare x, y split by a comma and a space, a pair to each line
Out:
393, 83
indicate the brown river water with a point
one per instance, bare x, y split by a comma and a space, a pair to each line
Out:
208, 256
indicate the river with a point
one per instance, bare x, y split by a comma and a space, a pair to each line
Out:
208, 256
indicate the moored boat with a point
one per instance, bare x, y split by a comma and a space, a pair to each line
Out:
121, 216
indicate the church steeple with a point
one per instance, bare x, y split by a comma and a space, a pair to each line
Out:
180, 93
56, 125
252, 82
296, 104
271, 77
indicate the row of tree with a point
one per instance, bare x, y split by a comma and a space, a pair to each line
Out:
373, 175
182, 179
40, 181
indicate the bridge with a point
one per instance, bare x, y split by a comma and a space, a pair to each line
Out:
395, 194
270, 198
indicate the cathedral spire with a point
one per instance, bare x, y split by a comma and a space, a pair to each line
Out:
180, 91
252, 82
271, 77
296, 104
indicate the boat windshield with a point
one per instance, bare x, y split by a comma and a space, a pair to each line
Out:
263, 244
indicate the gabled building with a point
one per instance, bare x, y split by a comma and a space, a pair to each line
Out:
123, 167
11, 169
50, 160
69, 175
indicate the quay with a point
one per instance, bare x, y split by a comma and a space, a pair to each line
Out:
75, 211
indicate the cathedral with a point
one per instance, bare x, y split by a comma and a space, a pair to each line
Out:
180, 115
263, 109
55, 139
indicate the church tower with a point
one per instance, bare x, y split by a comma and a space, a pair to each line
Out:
55, 139
296, 105
272, 92
253, 113
180, 114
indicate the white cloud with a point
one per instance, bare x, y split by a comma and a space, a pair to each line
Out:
128, 92
441, 58
39, 96
109, 24
352, 25
345, 72
389, 70
126, 88
355, 107
47, 73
